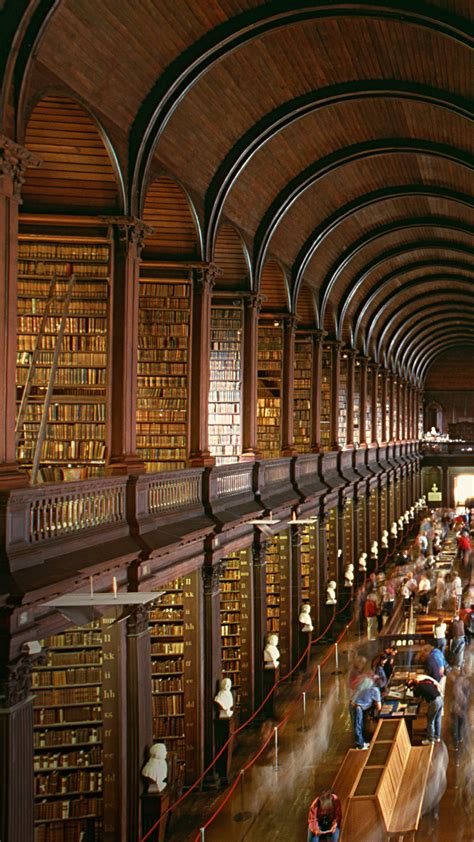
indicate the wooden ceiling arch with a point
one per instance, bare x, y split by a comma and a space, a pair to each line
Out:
402, 251
442, 333
464, 343
309, 177
402, 315
193, 63
369, 201
371, 310
377, 237
296, 109
414, 333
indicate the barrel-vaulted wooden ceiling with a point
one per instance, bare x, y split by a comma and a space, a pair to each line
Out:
335, 136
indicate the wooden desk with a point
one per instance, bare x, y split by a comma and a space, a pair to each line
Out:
382, 789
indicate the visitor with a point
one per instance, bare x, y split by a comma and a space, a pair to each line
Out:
363, 699
425, 688
324, 818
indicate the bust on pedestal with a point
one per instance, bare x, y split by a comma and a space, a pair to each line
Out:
306, 627
394, 530
363, 562
224, 728
384, 540
156, 800
349, 576
331, 593
271, 671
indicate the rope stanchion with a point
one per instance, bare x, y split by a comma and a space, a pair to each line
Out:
245, 724
244, 815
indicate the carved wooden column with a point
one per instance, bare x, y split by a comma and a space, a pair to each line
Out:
374, 373
409, 410
335, 389
212, 661
259, 562
203, 282
139, 713
398, 408
16, 751
351, 360
364, 362
391, 412
295, 592
14, 161
322, 562
384, 395
128, 239
252, 307
287, 387
316, 391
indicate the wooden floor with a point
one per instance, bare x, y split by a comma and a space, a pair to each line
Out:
274, 802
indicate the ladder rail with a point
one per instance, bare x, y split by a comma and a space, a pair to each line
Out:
52, 378
34, 360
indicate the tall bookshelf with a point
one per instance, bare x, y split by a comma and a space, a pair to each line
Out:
278, 594
309, 562
383, 508
373, 504
74, 444
342, 417
348, 533
163, 371
68, 737
361, 525
225, 386
380, 408
174, 657
369, 432
269, 373
331, 545
326, 374
236, 626
302, 393
356, 404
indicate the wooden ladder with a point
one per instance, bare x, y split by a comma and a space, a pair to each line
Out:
53, 298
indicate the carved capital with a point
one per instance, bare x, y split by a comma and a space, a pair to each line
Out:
290, 322
14, 161
211, 577
254, 301
132, 231
137, 623
205, 277
15, 684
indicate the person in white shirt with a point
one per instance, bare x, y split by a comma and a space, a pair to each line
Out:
439, 634
424, 588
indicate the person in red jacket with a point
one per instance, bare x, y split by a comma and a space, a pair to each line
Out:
324, 818
464, 544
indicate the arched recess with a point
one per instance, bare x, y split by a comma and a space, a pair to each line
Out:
226, 353
274, 288
306, 308
168, 209
433, 416
231, 256
79, 173
443, 338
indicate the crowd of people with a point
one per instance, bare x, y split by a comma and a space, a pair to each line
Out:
424, 586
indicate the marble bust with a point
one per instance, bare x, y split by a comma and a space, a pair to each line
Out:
304, 619
394, 529
384, 541
156, 768
374, 548
331, 593
271, 654
224, 699
349, 575
363, 561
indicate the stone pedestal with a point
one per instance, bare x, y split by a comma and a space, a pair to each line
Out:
224, 729
270, 677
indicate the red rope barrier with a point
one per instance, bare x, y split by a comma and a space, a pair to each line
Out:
280, 725
241, 727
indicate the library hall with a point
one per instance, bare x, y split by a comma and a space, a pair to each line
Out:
236, 421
